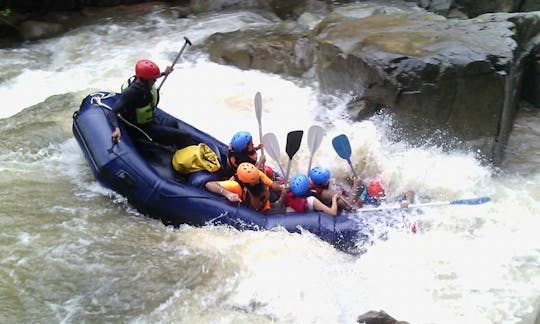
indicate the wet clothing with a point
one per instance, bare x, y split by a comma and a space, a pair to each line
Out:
255, 196
137, 105
367, 199
298, 203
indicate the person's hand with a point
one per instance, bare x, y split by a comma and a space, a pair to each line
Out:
232, 197
168, 70
116, 135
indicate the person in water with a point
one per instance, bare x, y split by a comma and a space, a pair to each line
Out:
374, 194
250, 187
300, 198
319, 183
137, 108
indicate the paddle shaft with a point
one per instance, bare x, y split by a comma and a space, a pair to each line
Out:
471, 201
175, 60
352, 168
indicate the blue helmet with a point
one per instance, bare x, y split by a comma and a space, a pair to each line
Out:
240, 140
319, 175
299, 185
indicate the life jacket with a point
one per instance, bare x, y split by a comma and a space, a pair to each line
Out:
146, 113
298, 203
256, 196
235, 158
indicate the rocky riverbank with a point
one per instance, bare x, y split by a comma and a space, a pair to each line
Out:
462, 79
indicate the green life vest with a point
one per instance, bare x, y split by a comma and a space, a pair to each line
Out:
146, 113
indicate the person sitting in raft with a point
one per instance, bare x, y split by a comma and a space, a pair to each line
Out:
249, 186
319, 178
374, 194
300, 198
137, 107
242, 149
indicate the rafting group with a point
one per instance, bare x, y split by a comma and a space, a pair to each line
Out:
244, 178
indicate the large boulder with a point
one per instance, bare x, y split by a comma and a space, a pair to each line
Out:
461, 77
473, 8
281, 50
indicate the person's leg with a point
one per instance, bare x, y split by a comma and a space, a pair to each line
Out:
168, 135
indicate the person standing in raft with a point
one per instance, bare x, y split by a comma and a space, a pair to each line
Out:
300, 198
250, 187
137, 108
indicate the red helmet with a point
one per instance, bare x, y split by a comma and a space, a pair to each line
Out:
375, 189
147, 70
248, 173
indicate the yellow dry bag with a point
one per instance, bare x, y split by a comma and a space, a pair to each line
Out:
195, 158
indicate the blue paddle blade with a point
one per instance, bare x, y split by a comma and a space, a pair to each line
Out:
342, 146
472, 201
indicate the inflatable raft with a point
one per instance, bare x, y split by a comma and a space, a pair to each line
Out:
141, 171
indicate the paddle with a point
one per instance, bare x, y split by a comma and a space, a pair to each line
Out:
175, 60
272, 147
470, 201
294, 139
343, 149
258, 114
315, 137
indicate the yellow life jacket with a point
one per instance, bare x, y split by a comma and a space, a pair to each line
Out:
146, 113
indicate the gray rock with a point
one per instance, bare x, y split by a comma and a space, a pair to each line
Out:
380, 317
33, 30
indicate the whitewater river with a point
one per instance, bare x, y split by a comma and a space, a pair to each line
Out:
74, 252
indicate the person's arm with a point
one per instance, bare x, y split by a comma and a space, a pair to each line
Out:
332, 210
122, 102
215, 187
273, 185
281, 200
261, 162
276, 186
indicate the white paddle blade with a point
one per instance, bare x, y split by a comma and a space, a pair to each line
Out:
271, 145
258, 106
315, 136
